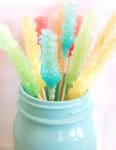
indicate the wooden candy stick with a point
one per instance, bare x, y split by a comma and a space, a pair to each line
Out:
64, 88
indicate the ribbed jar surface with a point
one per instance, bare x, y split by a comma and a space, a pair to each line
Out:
46, 125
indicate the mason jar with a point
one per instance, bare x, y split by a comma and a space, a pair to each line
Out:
54, 125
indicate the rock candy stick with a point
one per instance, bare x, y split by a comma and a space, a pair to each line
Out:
19, 60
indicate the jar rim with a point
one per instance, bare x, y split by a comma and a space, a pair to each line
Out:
52, 102
44, 111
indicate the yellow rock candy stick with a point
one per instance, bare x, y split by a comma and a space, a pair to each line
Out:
95, 62
88, 75
32, 48
105, 32
58, 31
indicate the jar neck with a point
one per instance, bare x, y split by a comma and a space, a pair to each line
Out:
54, 113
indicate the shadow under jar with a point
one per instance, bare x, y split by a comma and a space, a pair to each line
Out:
48, 125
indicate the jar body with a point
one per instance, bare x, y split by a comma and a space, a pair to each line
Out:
53, 133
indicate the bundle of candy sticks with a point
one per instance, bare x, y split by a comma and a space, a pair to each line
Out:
55, 65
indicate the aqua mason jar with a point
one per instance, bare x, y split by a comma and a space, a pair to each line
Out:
47, 125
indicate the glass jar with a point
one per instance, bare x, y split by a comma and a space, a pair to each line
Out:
48, 125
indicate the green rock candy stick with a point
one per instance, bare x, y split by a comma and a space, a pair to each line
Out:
19, 60
80, 51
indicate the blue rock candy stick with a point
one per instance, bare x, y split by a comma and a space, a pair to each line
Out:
68, 28
49, 68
